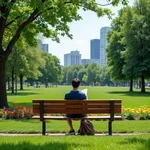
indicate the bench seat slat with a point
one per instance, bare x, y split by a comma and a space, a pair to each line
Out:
88, 117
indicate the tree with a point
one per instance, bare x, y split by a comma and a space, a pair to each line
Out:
103, 76
28, 18
31, 61
137, 41
13, 66
15, 61
84, 79
115, 48
23, 63
64, 72
81, 74
75, 71
69, 76
51, 72
127, 68
92, 71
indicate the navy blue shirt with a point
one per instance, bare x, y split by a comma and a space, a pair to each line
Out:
75, 95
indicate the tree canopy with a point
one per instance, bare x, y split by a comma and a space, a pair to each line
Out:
31, 17
133, 43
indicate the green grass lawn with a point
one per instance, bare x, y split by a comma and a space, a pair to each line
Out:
134, 142
129, 99
115, 142
34, 126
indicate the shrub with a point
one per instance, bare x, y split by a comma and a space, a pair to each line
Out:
142, 113
19, 112
6, 114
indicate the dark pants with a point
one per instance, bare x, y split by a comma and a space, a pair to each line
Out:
76, 115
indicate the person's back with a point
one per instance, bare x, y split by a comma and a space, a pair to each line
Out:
75, 95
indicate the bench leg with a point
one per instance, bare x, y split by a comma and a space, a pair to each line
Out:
43, 127
110, 127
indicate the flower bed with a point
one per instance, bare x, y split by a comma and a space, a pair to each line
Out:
19, 112
23, 112
142, 113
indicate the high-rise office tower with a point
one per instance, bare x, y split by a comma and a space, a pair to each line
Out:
45, 47
103, 44
67, 59
42, 46
72, 58
95, 49
90, 61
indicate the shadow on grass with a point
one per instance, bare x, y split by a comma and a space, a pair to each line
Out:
144, 143
20, 120
22, 145
22, 93
12, 105
127, 93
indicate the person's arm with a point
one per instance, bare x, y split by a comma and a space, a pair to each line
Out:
65, 98
85, 97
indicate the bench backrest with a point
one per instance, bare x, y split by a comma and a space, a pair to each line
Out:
76, 106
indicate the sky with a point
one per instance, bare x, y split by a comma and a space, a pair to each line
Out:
83, 31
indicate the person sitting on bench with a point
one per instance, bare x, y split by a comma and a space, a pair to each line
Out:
75, 94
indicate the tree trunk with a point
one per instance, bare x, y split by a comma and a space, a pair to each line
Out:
16, 85
13, 81
142, 84
8, 83
21, 82
131, 85
46, 84
31, 83
3, 95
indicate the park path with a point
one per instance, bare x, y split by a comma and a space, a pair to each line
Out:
63, 134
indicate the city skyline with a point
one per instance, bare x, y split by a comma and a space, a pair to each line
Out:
97, 51
90, 42
83, 31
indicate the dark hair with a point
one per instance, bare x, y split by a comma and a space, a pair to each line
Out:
75, 82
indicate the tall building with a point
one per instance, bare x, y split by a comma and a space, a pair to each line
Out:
95, 49
45, 47
103, 44
90, 61
42, 46
72, 58
67, 59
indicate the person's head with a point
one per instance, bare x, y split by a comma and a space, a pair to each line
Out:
75, 83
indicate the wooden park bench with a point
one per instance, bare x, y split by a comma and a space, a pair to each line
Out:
105, 109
